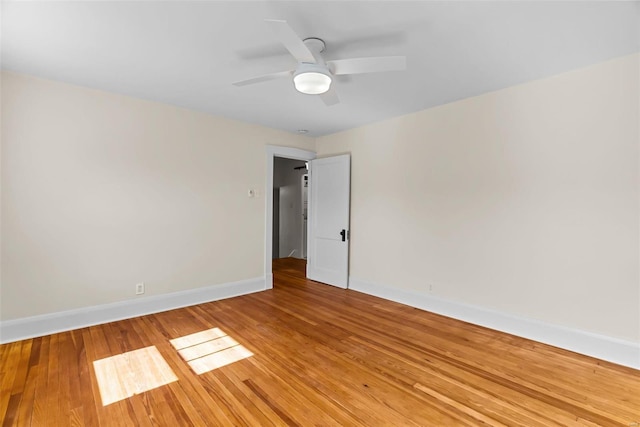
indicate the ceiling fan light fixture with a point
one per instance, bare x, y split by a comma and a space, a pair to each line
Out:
312, 79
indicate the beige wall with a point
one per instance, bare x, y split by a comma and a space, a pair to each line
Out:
101, 191
523, 200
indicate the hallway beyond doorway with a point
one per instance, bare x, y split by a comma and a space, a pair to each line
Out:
293, 267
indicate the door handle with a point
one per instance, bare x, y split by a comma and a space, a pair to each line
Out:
343, 233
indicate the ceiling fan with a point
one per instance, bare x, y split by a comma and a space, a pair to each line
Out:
313, 75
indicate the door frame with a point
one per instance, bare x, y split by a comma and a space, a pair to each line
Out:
272, 152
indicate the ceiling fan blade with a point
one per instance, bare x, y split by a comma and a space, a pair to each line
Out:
291, 41
264, 78
330, 97
368, 65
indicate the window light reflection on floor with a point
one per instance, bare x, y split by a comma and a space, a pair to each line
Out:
208, 350
134, 372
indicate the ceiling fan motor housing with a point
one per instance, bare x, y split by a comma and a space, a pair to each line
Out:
314, 44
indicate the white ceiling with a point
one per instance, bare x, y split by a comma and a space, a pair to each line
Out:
189, 53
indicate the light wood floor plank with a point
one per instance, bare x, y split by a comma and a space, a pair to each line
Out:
10, 354
41, 397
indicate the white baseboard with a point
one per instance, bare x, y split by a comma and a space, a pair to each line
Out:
37, 326
614, 350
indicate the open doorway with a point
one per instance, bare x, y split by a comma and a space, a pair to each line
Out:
328, 216
290, 185
273, 153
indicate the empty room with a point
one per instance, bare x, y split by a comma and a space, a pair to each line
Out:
327, 213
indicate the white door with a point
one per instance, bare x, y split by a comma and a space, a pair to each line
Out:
328, 236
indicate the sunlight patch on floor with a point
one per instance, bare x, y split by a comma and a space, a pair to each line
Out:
208, 350
134, 372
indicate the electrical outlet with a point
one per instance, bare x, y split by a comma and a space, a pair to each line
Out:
139, 288
430, 287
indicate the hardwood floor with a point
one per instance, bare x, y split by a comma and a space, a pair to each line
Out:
313, 355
